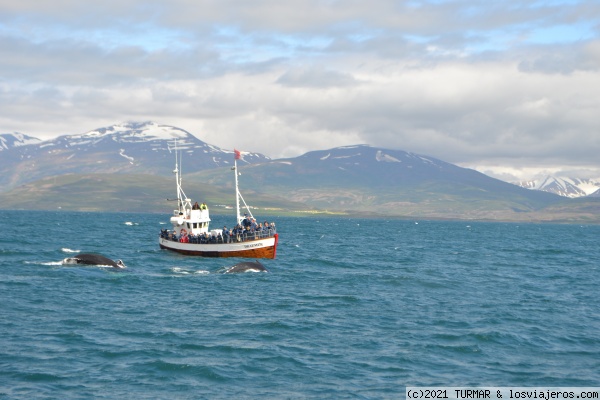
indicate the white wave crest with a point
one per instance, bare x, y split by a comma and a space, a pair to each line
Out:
45, 263
181, 271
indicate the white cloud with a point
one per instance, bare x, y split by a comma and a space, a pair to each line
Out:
504, 85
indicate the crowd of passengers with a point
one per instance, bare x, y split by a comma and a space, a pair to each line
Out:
247, 230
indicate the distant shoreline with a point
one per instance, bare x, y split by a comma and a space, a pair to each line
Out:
532, 217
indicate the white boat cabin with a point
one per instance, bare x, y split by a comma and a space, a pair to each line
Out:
193, 220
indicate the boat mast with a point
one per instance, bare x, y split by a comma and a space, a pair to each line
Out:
178, 179
237, 192
238, 195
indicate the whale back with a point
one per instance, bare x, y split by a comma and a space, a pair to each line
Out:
246, 266
94, 259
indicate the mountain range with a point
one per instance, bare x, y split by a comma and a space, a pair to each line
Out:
131, 148
131, 164
564, 186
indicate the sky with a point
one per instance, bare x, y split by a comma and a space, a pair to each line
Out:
510, 88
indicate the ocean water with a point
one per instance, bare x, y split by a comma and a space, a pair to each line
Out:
350, 309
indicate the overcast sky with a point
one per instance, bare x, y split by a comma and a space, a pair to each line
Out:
507, 87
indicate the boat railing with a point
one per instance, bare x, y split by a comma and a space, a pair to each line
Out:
246, 236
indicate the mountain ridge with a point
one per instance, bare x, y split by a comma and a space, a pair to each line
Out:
357, 180
563, 186
16, 139
372, 179
122, 148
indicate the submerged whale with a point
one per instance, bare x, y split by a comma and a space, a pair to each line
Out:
247, 266
93, 259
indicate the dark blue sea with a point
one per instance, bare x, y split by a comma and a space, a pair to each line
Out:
350, 309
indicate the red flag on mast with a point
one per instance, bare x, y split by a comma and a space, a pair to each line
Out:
237, 153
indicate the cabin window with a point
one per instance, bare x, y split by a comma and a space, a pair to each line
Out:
188, 225
195, 225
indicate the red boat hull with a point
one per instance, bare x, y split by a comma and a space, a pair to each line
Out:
261, 248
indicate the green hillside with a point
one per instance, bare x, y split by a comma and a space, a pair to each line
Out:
120, 192
149, 193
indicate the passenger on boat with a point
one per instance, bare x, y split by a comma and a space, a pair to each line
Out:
237, 232
196, 206
259, 230
226, 235
246, 221
203, 206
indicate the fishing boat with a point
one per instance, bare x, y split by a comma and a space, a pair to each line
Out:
191, 235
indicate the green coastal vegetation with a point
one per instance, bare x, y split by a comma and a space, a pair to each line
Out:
151, 193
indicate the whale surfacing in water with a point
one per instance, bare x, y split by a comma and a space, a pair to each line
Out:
247, 266
93, 259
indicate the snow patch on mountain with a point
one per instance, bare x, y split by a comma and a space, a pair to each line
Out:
427, 160
381, 156
16, 139
131, 132
122, 154
348, 156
